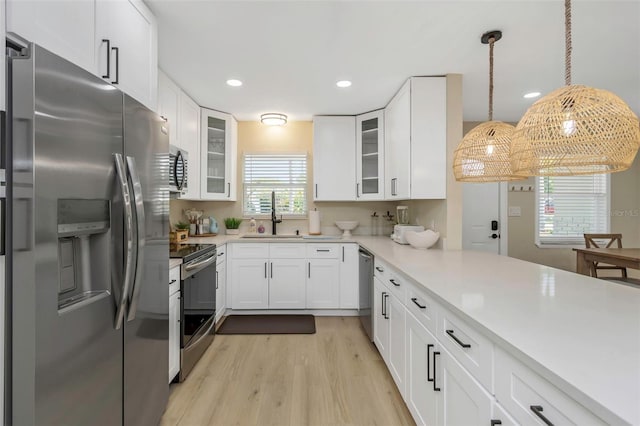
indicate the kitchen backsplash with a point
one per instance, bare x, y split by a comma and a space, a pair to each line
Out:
423, 212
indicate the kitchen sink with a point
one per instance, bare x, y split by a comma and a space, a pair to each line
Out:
271, 236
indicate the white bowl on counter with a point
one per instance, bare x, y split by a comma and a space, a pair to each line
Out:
422, 240
346, 226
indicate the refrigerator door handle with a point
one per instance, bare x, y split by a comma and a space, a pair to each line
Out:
128, 219
138, 202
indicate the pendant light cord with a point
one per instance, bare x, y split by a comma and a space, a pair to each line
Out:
491, 41
567, 42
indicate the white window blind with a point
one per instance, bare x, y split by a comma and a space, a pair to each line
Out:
569, 206
286, 174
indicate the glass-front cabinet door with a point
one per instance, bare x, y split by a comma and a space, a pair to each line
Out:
218, 155
370, 156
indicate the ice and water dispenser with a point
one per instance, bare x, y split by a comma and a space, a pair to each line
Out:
83, 252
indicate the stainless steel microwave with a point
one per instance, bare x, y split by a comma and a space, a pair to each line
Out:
178, 169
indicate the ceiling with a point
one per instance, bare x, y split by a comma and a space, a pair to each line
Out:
290, 54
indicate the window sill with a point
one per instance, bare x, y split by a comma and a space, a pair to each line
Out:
268, 218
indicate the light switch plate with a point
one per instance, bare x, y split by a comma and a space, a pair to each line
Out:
515, 211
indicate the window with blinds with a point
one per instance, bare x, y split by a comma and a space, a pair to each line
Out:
286, 174
569, 206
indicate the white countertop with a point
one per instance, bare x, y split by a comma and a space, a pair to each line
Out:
223, 239
581, 333
174, 262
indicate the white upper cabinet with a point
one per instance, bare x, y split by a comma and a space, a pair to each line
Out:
113, 39
64, 28
334, 158
398, 145
126, 48
189, 140
370, 156
218, 153
168, 103
415, 140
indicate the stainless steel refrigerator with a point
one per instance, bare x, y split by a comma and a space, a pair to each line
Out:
87, 248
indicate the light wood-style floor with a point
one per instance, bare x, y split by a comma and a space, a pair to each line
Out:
333, 377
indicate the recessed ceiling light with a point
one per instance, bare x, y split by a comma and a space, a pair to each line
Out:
234, 83
343, 83
531, 95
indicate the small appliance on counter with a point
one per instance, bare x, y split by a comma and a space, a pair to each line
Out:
399, 232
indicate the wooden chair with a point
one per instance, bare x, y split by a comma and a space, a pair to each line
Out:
611, 239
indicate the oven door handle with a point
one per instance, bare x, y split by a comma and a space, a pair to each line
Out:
205, 334
196, 265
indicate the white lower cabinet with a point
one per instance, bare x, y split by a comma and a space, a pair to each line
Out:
532, 400
421, 397
250, 284
174, 322
287, 284
221, 283
323, 283
464, 400
396, 354
380, 319
349, 291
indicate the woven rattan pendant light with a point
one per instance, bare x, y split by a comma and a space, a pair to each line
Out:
483, 154
575, 130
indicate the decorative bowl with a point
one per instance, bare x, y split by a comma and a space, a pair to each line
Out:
346, 226
422, 240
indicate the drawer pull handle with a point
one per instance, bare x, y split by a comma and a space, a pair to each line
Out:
220, 254
435, 369
537, 410
429, 346
172, 281
394, 283
379, 269
496, 422
458, 341
323, 250
414, 300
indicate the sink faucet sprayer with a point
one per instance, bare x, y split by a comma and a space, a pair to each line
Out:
273, 213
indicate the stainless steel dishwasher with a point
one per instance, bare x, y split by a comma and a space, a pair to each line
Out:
366, 291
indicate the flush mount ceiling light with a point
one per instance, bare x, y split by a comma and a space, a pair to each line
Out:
234, 83
483, 154
575, 130
273, 119
531, 95
343, 83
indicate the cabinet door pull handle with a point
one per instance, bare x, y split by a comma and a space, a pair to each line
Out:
229, 189
384, 313
496, 422
323, 250
217, 279
342, 254
415, 300
357, 190
458, 341
309, 268
316, 190
379, 269
117, 50
106, 40
394, 283
271, 269
265, 269
537, 410
429, 346
172, 281
220, 254
435, 369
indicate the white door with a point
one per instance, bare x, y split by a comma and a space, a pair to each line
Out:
215, 155
370, 156
323, 284
168, 106
349, 291
287, 288
397, 145
221, 289
481, 222
334, 158
189, 140
174, 335
250, 284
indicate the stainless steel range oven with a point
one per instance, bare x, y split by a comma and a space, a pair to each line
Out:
197, 302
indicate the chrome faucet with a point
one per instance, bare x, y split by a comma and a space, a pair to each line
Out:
274, 220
